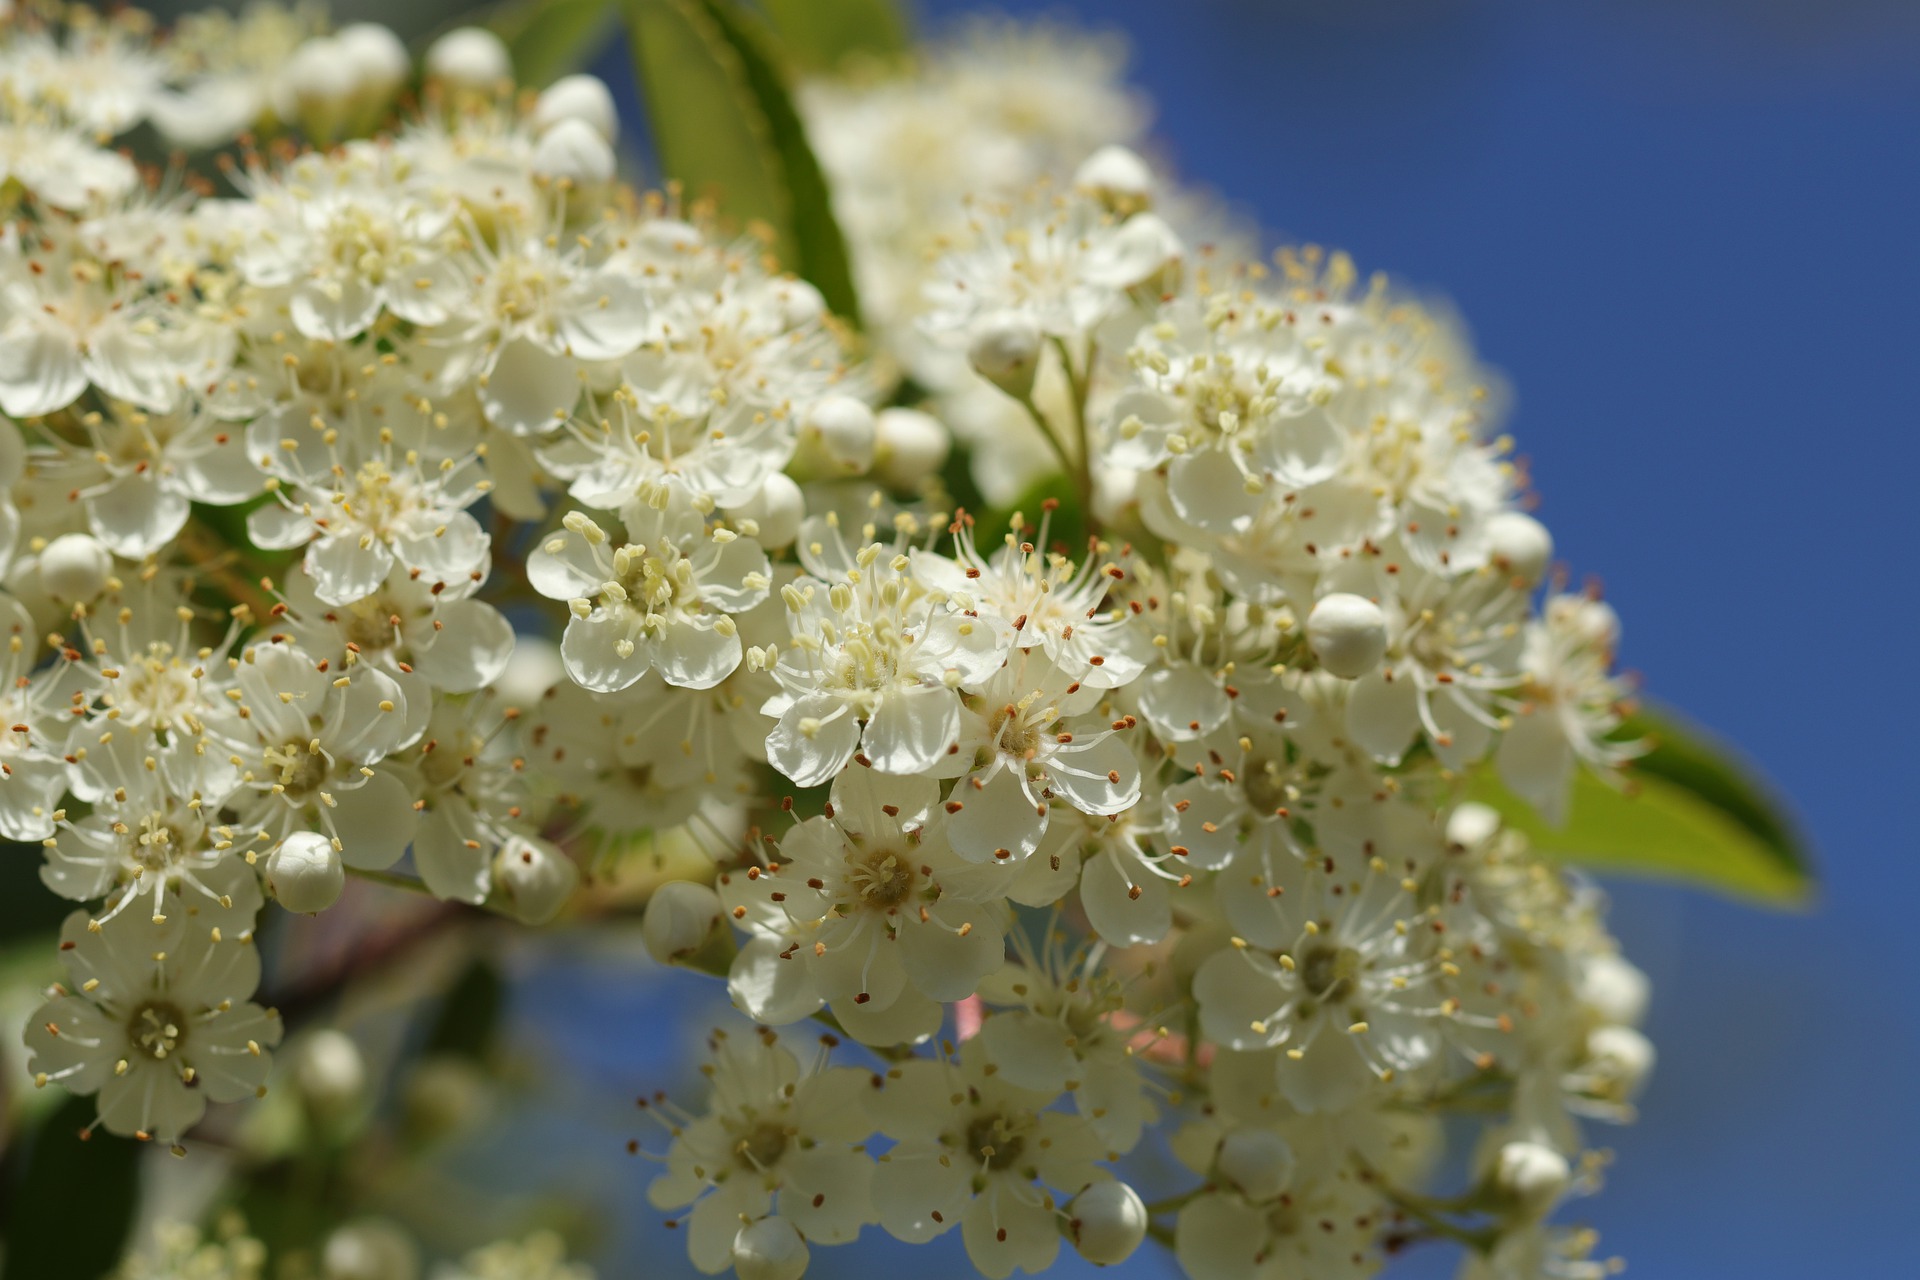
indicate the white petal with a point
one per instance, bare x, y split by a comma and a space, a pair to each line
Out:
530, 390
993, 817
375, 822
590, 650
344, 569
769, 989
1383, 715
697, 657
40, 371
1125, 910
135, 517
912, 728
811, 758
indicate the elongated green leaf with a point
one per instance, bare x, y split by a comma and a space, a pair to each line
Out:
819, 34
724, 125
1689, 811
549, 38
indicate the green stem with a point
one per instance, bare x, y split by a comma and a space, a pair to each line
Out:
1079, 387
1172, 1204
391, 880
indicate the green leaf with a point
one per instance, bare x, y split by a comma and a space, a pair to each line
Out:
1690, 810
820, 34
549, 38
724, 125
70, 1204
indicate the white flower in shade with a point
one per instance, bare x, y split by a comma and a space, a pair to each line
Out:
1050, 604
648, 758
154, 828
540, 312
306, 741
64, 168
621, 452
873, 663
1061, 1026
150, 668
156, 1018
662, 601
1538, 1251
1325, 1229
472, 795
178, 1253
869, 910
345, 239
33, 771
540, 1256
230, 72
67, 321
414, 635
139, 473
1127, 877
1342, 965
1454, 644
1567, 706
774, 1137
974, 1150
363, 500
101, 77
1229, 399
1031, 735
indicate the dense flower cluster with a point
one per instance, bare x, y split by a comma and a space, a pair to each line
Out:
1165, 822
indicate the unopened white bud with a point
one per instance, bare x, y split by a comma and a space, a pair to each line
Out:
842, 429
800, 303
1004, 348
1533, 1176
573, 151
1622, 1058
470, 58
305, 873
1117, 177
533, 879
680, 918
776, 511
1348, 634
371, 1249
1258, 1161
378, 58
909, 446
1116, 492
1107, 1222
329, 1072
75, 567
1471, 826
578, 97
324, 87
770, 1249
1613, 988
1520, 545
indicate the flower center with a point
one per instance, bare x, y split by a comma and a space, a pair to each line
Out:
1328, 972
762, 1146
157, 1029
881, 879
998, 1139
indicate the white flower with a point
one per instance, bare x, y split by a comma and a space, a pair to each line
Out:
876, 645
1567, 706
472, 797
305, 741
1031, 734
662, 600
33, 773
541, 1256
140, 473
869, 910
774, 1137
972, 1149
156, 1018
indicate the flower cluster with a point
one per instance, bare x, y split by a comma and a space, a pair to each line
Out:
430, 508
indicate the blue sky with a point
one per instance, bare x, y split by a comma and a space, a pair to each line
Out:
1685, 231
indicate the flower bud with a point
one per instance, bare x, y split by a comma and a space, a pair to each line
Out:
909, 446
1004, 348
1621, 1059
841, 428
770, 1249
1258, 1161
578, 97
776, 511
470, 58
680, 918
532, 879
1117, 178
329, 1072
324, 87
1348, 634
1532, 1176
1107, 1222
1143, 254
1471, 826
75, 567
305, 873
573, 151
1592, 622
1520, 545
379, 60
1613, 988
370, 1249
